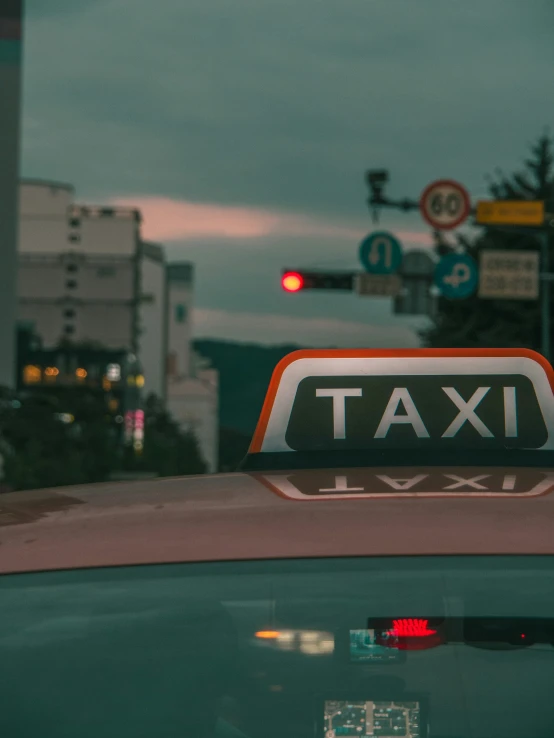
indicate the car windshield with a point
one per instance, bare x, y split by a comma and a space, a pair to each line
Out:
410, 648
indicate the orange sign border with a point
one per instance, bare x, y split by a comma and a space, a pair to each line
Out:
261, 427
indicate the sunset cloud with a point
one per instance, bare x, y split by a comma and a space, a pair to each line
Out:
166, 219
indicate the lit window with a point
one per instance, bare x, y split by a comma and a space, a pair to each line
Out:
51, 372
81, 373
113, 372
139, 380
32, 374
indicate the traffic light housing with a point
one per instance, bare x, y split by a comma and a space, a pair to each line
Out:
296, 281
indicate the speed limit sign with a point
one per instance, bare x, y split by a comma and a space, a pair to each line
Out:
444, 204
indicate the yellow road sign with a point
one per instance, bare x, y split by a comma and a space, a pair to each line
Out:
510, 212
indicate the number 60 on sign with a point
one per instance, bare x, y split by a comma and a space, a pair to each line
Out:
444, 204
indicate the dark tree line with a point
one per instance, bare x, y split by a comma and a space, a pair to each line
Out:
69, 438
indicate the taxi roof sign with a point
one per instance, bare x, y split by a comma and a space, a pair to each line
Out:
374, 400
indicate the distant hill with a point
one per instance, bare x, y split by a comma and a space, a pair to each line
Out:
244, 374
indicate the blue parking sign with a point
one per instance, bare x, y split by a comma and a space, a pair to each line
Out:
456, 276
381, 253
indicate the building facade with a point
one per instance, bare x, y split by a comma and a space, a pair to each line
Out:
180, 281
192, 387
83, 298
152, 316
87, 277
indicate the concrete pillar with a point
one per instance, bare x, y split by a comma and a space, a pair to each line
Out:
11, 12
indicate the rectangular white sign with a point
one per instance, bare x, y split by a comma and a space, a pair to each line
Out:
509, 275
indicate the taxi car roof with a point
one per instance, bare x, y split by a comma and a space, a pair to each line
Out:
229, 517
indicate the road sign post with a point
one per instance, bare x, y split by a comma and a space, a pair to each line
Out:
529, 216
545, 296
438, 208
416, 297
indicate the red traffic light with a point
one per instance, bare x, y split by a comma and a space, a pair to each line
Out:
292, 281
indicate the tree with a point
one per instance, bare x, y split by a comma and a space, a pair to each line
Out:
92, 431
55, 440
168, 450
233, 447
498, 323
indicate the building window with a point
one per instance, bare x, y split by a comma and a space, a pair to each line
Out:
71, 284
113, 372
105, 271
71, 268
69, 330
75, 238
32, 374
180, 313
69, 313
75, 222
172, 364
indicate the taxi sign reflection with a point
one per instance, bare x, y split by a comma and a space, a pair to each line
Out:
328, 484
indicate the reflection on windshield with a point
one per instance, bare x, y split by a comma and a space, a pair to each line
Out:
312, 642
392, 645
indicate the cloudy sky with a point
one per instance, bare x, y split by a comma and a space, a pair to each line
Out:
242, 129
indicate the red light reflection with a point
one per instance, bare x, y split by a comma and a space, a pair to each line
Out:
411, 628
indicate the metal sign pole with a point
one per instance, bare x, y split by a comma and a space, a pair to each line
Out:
545, 296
